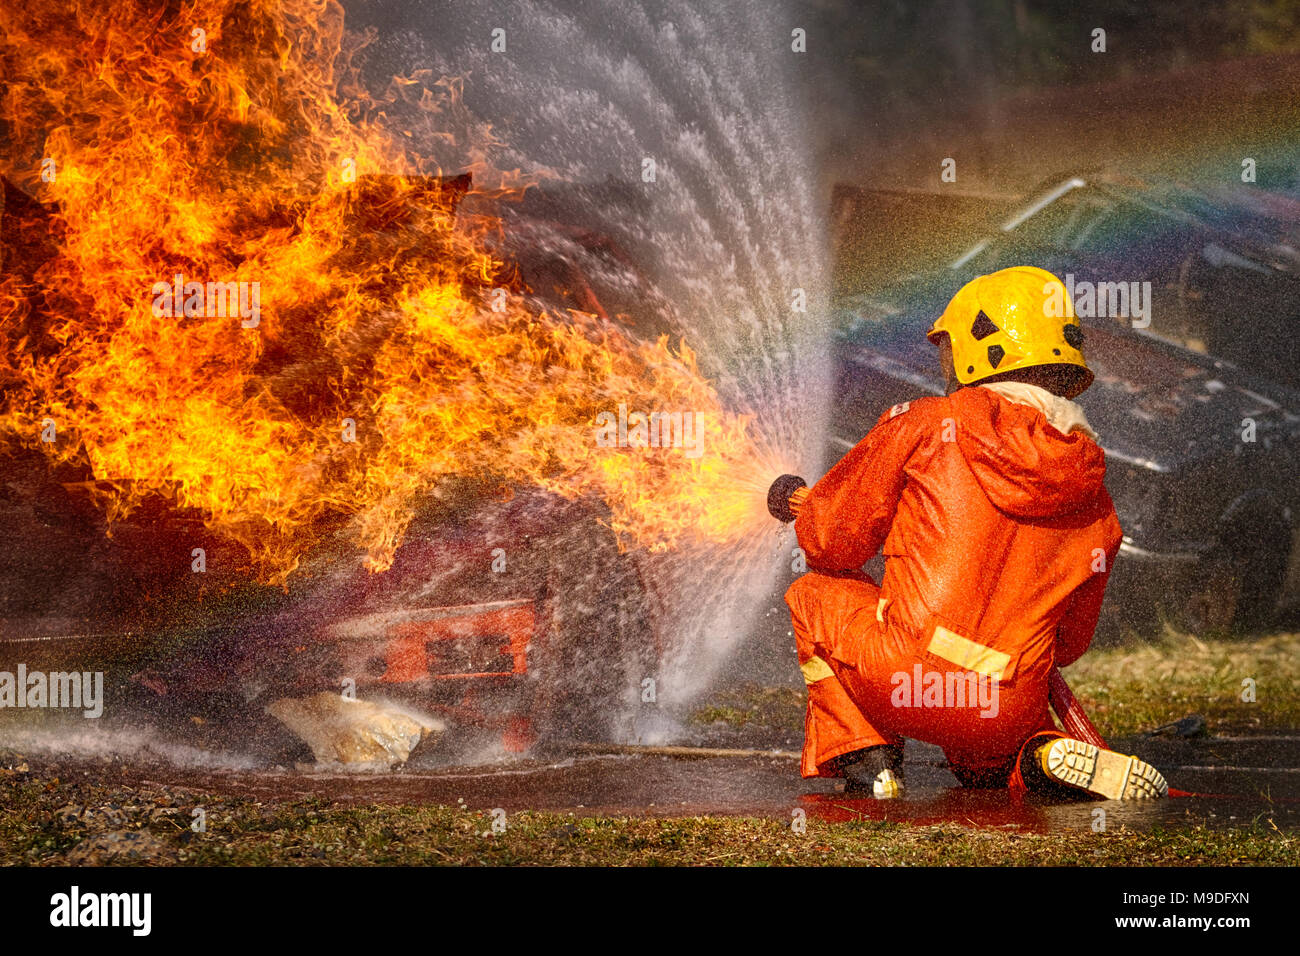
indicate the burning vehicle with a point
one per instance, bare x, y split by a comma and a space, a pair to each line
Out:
290, 411
511, 612
1194, 395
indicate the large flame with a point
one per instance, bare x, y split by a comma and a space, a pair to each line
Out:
216, 140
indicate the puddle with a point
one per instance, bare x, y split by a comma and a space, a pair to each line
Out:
1231, 791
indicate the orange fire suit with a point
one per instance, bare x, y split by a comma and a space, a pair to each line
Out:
998, 537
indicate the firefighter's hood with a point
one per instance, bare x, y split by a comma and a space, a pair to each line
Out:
1032, 452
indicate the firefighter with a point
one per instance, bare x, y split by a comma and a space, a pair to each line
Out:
998, 537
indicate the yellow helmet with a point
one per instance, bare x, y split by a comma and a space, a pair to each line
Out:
1012, 319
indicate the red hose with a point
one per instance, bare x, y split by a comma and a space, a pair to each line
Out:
1068, 708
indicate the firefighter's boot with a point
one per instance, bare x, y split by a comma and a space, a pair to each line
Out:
1103, 773
877, 771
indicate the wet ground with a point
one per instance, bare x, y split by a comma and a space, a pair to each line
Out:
732, 761
1237, 780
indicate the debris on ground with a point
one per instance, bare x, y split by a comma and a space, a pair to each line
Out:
346, 730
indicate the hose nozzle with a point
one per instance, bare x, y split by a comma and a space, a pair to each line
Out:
785, 497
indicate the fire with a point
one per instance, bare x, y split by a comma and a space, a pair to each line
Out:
229, 142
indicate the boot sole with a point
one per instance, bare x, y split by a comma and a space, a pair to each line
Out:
1104, 773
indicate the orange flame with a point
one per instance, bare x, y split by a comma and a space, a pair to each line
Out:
215, 140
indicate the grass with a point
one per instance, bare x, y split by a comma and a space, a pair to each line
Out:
1125, 690
754, 705
49, 821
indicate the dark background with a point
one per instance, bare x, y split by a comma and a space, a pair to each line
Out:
1012, 90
